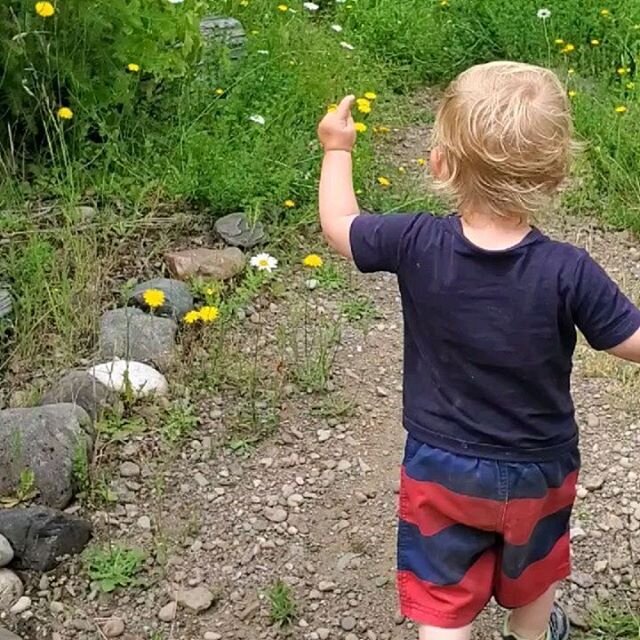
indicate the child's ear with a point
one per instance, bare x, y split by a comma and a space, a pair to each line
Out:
438, 164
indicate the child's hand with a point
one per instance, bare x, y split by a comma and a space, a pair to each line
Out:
337, 131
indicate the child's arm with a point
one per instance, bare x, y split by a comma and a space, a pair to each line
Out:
629, 349
338, 203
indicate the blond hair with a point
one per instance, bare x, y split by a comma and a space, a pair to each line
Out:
504, 130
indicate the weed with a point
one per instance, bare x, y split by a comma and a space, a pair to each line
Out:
614, 624
359, 309
335, 406
242, 447
179, 422
113, 566
283, 608
331, 277
80, 467
116, 428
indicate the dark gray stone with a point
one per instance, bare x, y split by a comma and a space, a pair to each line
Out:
178, 298
82, 389
236, 230
45, 440
134, 335
6, 305
228, 32
41, 536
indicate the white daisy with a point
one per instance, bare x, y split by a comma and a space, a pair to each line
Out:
176, 1
264, 262
263, 52
337, 28
257, 119
311, 6
346, 45
544, 14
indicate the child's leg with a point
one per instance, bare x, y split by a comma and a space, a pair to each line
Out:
532, 621
433, 633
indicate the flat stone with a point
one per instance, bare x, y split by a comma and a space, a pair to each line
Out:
168, 612
6, 552
21, 605
594, 482
219, 264
47, 441
236, 230
275, 514
11, 589
41, 536
113, 628
197, 599
82, 389
348, 623
226, 31
129, 469
582, 579
212, 635
131, 334
177, 297
126, 375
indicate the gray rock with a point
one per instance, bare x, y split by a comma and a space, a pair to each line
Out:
197, 599
594, 482
212, 635
177, 297
113, 628
218, 264
46, 440
348, 623
6, 552
582, 579
41, 536
82, 389
11, 589
6, 305
129, 469
236, 230
5, 634
134, 335
229, 32
275, 514
21, 606
168, 612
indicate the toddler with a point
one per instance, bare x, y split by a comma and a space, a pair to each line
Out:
490, 307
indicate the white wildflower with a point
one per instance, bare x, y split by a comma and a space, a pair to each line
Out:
257, 119
311, 6
337, 28
346, 45
264, 262
544, 14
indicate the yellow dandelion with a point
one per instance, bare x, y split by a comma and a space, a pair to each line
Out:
133, 67
381, 129
64, 113
364, 105
559, 41
332, 107
209, 314
444, 3
45, 9
573, 93
384, 182
361, 127
244, 3
370, 95
622, 71
605, 13
219, 91
191, 317
313, 261
621, 109
595, 42
153, 298
421, 162
402, 170
630, 85
283, 8
568, 48
290, 204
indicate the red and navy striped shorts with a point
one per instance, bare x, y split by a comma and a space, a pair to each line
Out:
471, 529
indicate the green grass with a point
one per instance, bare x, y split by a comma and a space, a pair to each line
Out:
282, 604
113, 566
614, 624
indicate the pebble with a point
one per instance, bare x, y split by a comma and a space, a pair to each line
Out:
593, 483
144, 522
113, 628
324, 435
275, 514
592, 421
23, 604
129, 469
326, 585
348, 623
197, 599
56, 607
6, 552
168, 612
11, 589
212, 635
600, 566
582, 579
582, 492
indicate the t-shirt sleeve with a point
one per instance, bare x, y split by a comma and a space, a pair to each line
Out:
377, 241
604, 315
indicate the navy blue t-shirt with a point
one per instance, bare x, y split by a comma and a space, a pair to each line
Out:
490, 335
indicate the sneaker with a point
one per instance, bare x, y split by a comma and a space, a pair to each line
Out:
558, 626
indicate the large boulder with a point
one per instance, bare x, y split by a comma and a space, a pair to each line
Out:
45, 440
177, 297
218, 264
82, 389
40, 536
134, 335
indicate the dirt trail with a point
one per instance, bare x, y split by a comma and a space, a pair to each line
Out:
314, 506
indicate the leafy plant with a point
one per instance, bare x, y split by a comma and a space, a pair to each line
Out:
283, 608
179, 422
113, 566
614, 624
